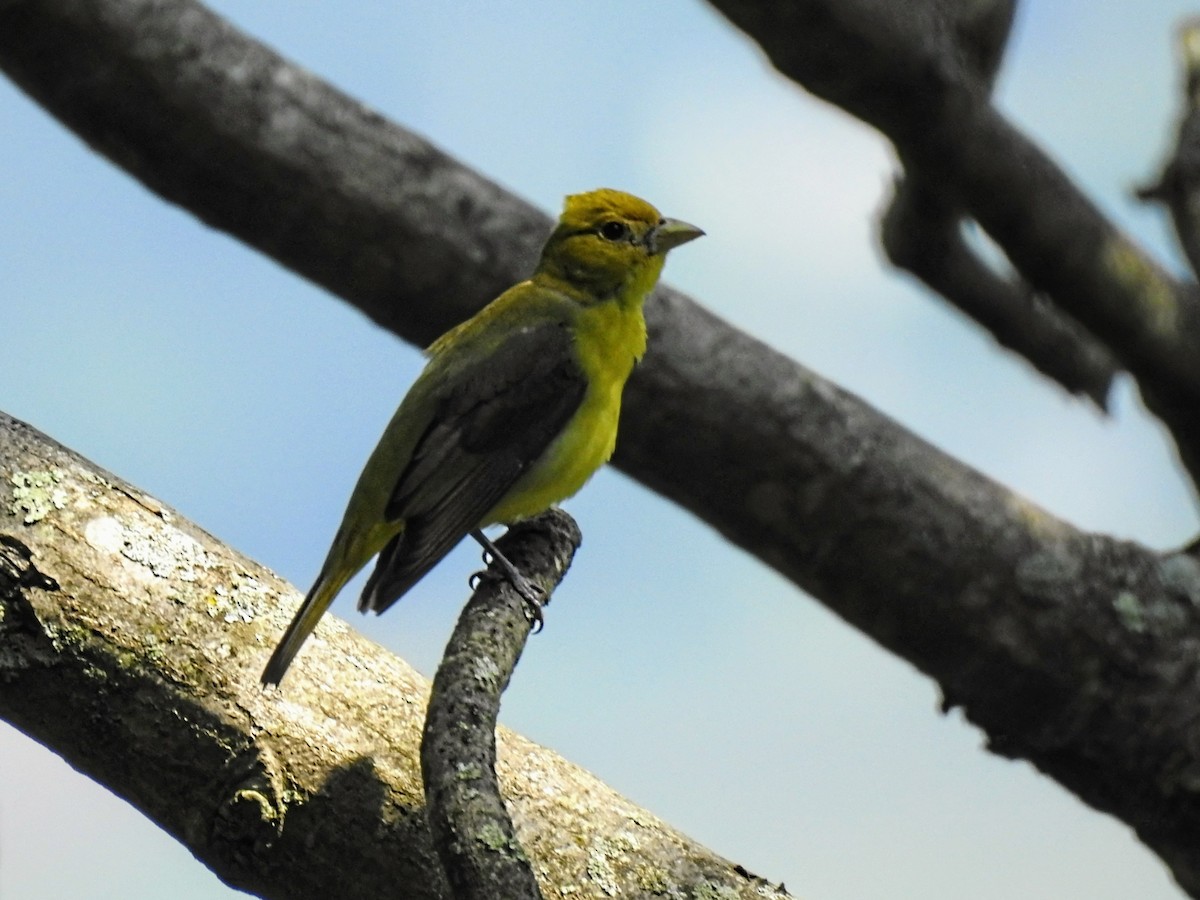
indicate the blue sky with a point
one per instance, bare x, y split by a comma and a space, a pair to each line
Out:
678, 669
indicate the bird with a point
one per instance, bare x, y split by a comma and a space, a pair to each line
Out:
513, 412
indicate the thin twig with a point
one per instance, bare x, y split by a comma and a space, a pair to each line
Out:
471, 827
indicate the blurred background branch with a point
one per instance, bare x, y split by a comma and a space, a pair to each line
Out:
922, 232
906, 69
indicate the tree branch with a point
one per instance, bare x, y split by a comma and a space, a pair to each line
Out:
262, 149
1178, 187
472, 829
131, 642
1071, 649
900, 68
922, 232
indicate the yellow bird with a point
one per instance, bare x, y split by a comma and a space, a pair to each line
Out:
514, 411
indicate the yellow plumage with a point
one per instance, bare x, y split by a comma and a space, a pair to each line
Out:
608, 341
515, 410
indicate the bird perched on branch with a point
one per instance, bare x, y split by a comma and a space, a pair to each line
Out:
514, 411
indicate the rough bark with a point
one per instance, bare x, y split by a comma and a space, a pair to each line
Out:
261, 148
131, 642
472, 830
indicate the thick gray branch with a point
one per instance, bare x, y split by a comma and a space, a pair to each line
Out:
1072, 650
262, 149
131, 642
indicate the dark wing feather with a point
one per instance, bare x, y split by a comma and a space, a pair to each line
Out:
494, 422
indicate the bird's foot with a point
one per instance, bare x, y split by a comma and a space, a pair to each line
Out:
533, 595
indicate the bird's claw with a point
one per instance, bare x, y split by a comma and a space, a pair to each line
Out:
534, 601
532, 595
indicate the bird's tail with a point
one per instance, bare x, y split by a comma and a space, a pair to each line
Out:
331, 580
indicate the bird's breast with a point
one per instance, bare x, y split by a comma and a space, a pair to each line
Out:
608, 341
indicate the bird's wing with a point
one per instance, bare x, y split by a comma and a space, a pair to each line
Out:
492, 421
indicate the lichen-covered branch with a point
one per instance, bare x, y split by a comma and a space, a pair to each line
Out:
472, 830
130, 644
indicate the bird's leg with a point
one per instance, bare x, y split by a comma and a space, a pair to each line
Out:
529, 592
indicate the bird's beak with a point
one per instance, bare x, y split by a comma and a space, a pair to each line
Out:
670, 233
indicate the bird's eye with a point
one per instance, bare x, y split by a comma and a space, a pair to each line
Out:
614, 231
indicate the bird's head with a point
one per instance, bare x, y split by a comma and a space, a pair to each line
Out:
611, 244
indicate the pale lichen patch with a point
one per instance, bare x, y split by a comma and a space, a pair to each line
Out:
1130, 611
771, 892
231, 606
241, 601
105, 533
713, 891
604, 854
35, 494
600, 870
656, 881
486, 672
165, 552
1154, 294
